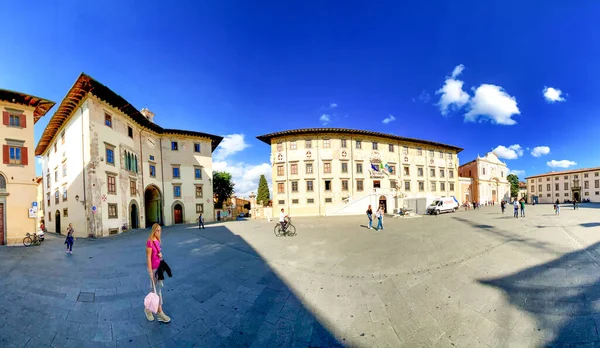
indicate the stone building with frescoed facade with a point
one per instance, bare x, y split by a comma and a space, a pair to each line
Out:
488, 174
18, 188
336, 171
108, 168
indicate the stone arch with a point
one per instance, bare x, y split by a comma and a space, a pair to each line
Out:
134, 214
2, 182
178, 212
153, 205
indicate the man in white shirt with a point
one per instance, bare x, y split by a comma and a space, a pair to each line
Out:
282, 217
516, 205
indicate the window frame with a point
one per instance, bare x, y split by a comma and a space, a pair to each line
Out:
116, 210
176, 192
110, 185
108, 120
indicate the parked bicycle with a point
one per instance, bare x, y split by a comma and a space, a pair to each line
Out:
31, 238
287, 229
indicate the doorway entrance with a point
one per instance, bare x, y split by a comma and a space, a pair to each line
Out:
57, 222
494, 196
1, 223
383, 203
134, 221
153, 205
576, 196
178, 214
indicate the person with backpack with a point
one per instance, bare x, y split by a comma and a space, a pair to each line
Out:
370, 216
70, 239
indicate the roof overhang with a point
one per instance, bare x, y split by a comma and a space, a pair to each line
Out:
80, 89
41, 106
267, 138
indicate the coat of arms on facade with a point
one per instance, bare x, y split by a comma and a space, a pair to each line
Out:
308, 154
344, 154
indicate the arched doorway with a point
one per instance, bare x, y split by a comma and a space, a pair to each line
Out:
134, 216
57, 222
383, 203
153, 205
177, 212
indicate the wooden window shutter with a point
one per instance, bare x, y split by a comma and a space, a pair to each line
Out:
24, 156
5, 154
5, 119
23, 121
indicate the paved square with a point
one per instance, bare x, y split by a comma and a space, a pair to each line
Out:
468, 279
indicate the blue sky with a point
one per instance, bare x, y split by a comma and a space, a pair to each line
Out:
467, 73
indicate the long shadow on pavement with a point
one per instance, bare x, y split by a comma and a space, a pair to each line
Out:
563, 295
222, 294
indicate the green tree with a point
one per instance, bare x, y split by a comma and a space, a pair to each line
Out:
514, 185
223, 187
263, 191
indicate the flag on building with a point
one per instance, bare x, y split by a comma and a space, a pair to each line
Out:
374, 167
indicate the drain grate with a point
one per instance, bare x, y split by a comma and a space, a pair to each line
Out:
86, 297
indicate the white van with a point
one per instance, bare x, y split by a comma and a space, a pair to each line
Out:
442, 205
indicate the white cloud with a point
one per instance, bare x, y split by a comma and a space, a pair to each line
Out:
245, 176
424, 97
333, 105
230, 145
512, 152
539, 151
493, 103
561, 164
552, 95
457, 70
452, 92
389, 119
516, 172
325, 119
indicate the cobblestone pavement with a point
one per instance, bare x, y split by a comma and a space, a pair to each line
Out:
468, 279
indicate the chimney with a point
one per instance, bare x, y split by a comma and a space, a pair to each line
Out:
148, 114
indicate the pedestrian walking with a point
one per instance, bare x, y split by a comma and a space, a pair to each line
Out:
70, 239
522, 202
378, 215
516, 205
153, 260
201, 222
502, 206
382, 215
370, 216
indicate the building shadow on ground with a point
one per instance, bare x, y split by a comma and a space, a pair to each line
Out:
230, 280
507, 236
222, 294
562, 295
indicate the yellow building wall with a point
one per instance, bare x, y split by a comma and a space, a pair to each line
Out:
21, 189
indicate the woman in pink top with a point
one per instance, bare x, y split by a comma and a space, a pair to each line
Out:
153, 256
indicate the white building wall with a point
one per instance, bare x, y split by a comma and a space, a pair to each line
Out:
69, 152
84, 150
